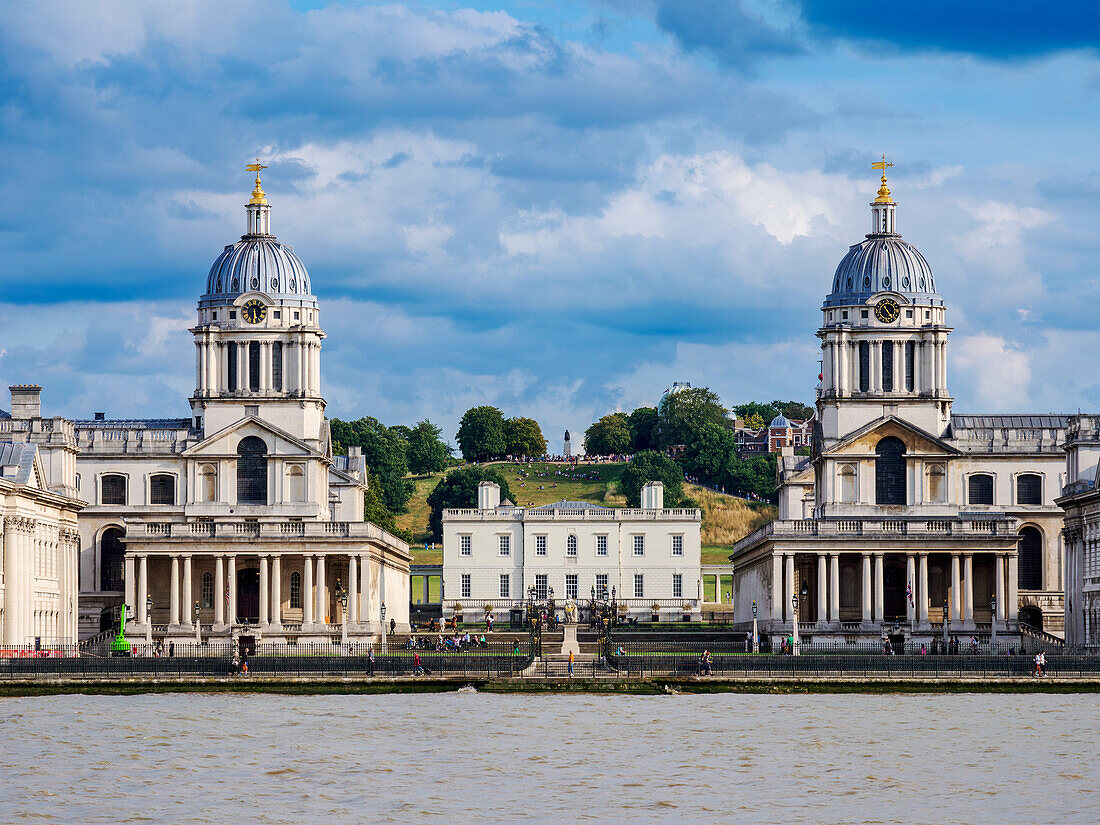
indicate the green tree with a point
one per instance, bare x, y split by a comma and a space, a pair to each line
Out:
794, 409
757, 422
755, 411
481, 434
523, 437
651, 465
427, 453
683, 414
608, 436
751, 477
458, 489
376, 511
385, 452
643, 429
708, 454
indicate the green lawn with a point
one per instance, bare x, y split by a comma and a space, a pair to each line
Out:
716, 554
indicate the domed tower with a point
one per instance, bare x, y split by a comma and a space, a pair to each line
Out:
258, 338
884, 336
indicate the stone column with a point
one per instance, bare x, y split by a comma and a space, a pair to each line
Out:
242, 374
231, 572
999, 576
129, 586
968, 587
364, 613
879, 590
911, 586
12, 603
189, 617
865, 592
265, 593
822, 589
174, 594
353, 590
307, 592
143, 589
277, 592
788, 593
956, 589
777, 587
219, 591
265, 366
1013, 606
322, 594
922, 598
834, 587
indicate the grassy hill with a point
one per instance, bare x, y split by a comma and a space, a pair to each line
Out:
725, 518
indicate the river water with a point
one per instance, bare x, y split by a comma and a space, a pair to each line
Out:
481, 758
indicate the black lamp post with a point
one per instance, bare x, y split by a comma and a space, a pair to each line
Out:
149, 619
945, 620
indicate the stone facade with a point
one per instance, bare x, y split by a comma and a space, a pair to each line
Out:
1081, 502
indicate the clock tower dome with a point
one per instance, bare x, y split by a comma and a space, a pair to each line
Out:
258, 336
884, 334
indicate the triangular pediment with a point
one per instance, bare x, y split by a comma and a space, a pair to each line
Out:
224, 442
916, 440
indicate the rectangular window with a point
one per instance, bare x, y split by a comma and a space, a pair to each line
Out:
864, 366
571, 546
540, 545
465, 545
910, 365
571, 588
601, 545
542, 586
980, 489
844, 315
639, 586
254, 365
677, 586
112, 489
466, 589
1029, 488
888, 366
231, 367
277, 364
232, 315
639, 545
601, 586
505, 586
505, 544
677, 545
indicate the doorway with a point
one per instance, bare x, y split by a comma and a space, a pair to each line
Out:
894, 596
248, 595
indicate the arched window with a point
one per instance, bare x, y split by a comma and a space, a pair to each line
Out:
890, 471
571, 545
208, 589
112, 489
848, 484
937, 484
1030, 562
162, 489
111, 560
980, 489
1029, 488
295, 483
295, 590
208, 483
252, 471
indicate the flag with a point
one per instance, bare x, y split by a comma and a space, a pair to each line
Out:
227, 595
909, 593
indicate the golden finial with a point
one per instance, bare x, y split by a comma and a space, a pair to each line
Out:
884, 190
258, 195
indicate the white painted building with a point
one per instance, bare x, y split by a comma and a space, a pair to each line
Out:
236, 521
902, 496
1081, 501
648, 556
39, 584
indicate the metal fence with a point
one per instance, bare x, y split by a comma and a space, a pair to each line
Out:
496, 660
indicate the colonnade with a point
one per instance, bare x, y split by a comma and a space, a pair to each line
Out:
41, 582
841, 364
299, 371
316, 593
960, 585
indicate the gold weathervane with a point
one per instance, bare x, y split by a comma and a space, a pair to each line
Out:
258, 195
884, 190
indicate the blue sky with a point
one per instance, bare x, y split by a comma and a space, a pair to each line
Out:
555, 207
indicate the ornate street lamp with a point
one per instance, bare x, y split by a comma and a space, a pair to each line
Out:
993, 624
342, 598
945, 621
755, 633
198, 624
383, 609
794, 625
149, 620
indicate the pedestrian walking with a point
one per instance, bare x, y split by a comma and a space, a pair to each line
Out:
570, 664
418, 669
370, 662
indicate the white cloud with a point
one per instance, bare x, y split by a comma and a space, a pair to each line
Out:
996, 373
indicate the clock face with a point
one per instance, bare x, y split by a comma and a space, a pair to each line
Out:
254, 311
887, 310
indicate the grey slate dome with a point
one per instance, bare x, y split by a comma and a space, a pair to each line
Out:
780, 422
259, 264
882, 263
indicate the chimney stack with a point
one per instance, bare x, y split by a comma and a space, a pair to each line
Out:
26, 401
